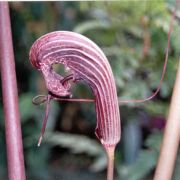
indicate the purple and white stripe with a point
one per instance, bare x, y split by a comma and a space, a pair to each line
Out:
87, 63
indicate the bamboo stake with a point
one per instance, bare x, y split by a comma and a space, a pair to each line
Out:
15, 159
170, 143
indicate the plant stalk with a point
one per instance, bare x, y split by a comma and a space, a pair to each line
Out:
15, 159
110, 167
170, 143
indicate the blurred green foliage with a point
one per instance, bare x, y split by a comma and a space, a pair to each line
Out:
133, 35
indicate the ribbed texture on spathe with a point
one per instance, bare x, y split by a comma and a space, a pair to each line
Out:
89, 64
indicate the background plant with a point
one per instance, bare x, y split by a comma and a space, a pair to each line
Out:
133, 35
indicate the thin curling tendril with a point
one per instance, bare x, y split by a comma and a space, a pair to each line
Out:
87, 63
131, 100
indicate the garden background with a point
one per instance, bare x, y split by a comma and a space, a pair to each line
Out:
133, 36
